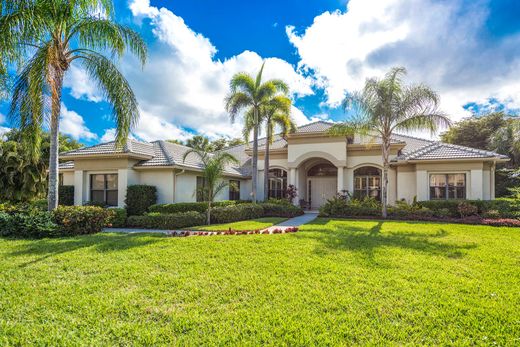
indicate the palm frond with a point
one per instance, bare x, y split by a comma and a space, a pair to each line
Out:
258, 80
242, 82
116, 89
236, 102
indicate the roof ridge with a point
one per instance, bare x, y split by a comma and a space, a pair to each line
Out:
166, 153
414, 137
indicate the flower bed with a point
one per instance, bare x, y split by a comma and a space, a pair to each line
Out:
234, 232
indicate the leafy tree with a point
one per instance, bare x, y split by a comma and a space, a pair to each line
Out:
43, 38
177, 142
22, 177
212, 174
475, 132
219, 144
249, 93
387, 105
276, 113
235, 142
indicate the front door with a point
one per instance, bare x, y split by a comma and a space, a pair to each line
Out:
322, 189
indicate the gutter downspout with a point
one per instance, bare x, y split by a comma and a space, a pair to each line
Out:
175, 174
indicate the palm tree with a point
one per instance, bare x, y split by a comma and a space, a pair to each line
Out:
276, 113
212, 175
248, 93
43, 38
387, 105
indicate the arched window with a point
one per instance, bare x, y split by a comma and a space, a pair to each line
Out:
367, 183
277, 183
323, 170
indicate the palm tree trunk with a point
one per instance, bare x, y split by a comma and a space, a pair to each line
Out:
384, 190
254, 174
266, 165
57, 83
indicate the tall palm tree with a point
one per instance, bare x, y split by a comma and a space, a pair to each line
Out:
43, 38
385, 106
212, 175
276, 114
248, 93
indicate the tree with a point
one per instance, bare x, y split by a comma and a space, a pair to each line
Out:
177, 142
212, 175
475, 132
199, 142
387, 105
22, 177
249, 93
43, 38
276, 113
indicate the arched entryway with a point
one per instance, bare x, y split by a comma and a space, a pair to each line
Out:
367, 182
322, 183
277, 183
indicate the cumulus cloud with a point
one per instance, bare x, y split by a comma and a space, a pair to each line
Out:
81, 85
73, 124
182, 88
435, 41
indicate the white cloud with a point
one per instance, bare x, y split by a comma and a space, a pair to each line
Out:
2, 118
440, 43
73, 124
81, 85
183, 86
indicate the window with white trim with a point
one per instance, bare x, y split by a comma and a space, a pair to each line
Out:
447, 186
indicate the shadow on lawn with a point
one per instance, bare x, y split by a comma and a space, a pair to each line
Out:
366, 241
47, 248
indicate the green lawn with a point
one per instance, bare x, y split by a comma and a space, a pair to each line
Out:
253, 224
335, 282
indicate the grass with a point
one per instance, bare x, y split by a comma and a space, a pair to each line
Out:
253, 224
333, 283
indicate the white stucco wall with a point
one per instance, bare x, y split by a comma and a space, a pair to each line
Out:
162, 180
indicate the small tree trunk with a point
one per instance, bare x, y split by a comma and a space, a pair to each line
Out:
266, 165
384, 190
56, 86
254, 174
208, 214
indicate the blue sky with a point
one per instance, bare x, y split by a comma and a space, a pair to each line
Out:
469, 51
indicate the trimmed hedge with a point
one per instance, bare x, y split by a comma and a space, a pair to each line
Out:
66, 195
139, 198
236, 213
281, 210
507, 208
201, 207
167, 221
34, 224
79, 220
341, 207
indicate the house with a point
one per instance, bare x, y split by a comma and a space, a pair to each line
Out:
320, 166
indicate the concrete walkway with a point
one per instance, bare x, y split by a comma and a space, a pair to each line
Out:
296, 221
293, 222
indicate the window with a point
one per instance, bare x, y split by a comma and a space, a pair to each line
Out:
277, 183
367, 183
201, 183
103, 189
447, 186
234, 190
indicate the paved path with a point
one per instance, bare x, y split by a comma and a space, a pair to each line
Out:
293, 222
296, 221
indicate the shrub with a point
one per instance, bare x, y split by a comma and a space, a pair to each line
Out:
66, 195
338, 206
139, 198
78, 220
281, 210
190, 206
466, 209
491, 214
508, 208
95, 204
166, 221
118, 219
236, 213
504, 222
28, 225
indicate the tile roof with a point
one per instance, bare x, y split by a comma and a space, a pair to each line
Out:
131, 147
440, 150
164, 153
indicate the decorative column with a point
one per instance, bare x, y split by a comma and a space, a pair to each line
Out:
292, 180
341, 179
78, 187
